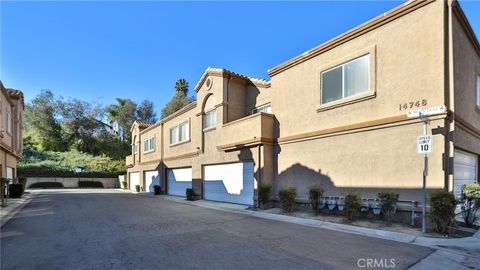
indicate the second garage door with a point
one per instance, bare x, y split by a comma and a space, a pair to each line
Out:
178, 180
134, 180
152, 178
229, 183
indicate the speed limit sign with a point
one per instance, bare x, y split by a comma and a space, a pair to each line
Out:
424, 144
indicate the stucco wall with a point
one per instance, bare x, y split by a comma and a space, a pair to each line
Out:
73, 182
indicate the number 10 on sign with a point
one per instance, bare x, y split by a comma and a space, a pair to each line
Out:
424, 144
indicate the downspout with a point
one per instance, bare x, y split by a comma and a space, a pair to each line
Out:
259, 175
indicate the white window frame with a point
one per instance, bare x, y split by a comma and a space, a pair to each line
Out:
177, 138
214, 112
149, 145
261, 108
343, 79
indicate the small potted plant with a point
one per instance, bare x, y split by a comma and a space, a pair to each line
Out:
137, 188
157, 190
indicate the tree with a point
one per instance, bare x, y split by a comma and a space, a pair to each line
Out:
146, 112
79, 121
179, 100
124, 113
181, 86
42, 122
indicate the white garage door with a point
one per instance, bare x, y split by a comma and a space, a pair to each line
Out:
152, 178
178, 180
134, 180
229, 183
465, 171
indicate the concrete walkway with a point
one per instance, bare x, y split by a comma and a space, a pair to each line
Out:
13, 207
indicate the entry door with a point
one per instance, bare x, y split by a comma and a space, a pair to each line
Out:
465, 171
178, 180
134, 180
229, 183
152, 178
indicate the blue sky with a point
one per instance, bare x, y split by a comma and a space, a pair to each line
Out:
100, 50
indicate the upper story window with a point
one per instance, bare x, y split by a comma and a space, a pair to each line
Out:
180, 133
9, 122
346, 80
266, 108
149, 145
134, 145
210, 117
478, 90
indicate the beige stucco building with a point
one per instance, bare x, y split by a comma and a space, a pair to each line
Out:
334, 116
11, 129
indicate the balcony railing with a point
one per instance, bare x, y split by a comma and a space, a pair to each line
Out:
251, 130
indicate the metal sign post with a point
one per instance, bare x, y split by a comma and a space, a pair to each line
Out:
424, 146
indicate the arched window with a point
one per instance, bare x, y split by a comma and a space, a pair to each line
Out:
209, 109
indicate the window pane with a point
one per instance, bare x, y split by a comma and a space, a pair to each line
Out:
173, 135
210, 119
357, 76
183, 132
332, 85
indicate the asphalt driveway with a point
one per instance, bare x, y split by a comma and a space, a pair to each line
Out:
108, 229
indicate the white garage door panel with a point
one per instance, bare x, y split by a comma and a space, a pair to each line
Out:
152, 178
465, 171
229, 183
134, 180
178, 180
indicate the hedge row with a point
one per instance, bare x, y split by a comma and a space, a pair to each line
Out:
90, 184
46, 185
49, 172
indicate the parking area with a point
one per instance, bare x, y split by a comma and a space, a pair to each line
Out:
110, 229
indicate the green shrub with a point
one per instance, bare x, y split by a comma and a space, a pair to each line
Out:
264, 194
287, 198
15, 190
353, 203
389, 204
137, 188
47, 185
315, 194
23, 181
190, 194
442, 210
90, 184
470, 203
124, 184
157, 190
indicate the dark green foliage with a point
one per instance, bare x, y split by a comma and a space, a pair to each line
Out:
62, 164
90, 184
124, 113
442, 210
146, 112
47, 185
190, 194
352, 205
315, 194
181, 86
157, 190
264, 194
23, 181
178, 101
15, 190
287, 198
470, 203
137, 188
124, 184
389, 204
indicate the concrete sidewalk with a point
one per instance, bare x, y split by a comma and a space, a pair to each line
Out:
13, 207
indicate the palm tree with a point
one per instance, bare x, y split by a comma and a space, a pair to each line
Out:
181, 86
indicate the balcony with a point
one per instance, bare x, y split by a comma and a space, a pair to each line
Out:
248, 131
